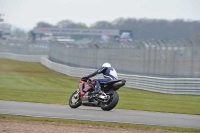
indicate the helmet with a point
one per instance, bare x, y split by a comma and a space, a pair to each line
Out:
106, 65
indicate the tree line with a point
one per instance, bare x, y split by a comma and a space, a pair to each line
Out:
142, 29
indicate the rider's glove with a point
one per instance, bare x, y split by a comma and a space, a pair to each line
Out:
84, 78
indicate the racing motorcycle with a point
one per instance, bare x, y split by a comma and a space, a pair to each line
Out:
107, 99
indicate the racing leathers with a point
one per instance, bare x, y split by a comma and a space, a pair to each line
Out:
109, 74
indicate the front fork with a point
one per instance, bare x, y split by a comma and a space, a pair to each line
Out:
77, 93
80, 93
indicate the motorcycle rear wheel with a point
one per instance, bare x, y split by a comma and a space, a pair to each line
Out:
74, 101
114, 98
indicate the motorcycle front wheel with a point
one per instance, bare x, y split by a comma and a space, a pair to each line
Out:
74, 100
112, 102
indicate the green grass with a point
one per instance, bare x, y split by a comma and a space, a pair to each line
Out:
32, 82
151, 101
106, 124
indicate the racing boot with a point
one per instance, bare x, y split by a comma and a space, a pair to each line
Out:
97, 89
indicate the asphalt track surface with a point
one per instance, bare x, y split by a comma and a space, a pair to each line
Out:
96, 114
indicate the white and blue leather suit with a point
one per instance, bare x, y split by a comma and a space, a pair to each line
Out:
109, 74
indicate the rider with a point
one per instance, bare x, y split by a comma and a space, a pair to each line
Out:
109, 74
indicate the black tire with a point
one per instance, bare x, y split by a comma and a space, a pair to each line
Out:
111, 103
77, 103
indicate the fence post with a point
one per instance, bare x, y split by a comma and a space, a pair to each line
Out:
192, 58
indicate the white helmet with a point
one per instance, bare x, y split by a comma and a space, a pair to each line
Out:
106, 65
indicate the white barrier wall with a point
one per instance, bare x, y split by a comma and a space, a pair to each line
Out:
29, 58
162, 85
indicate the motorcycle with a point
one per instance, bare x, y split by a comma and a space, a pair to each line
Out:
107, 99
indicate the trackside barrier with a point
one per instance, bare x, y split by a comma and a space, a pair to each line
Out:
162, 85
156, 58
155, 84
29, 58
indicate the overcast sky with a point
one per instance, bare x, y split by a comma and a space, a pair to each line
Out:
26, 13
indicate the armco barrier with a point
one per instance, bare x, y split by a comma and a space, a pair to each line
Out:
29, 58
162, 85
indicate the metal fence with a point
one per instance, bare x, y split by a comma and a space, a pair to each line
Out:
156, 84
160, 58
24, 47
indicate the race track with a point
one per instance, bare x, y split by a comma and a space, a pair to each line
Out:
96, 114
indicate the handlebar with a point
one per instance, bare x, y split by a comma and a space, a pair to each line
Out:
86, 79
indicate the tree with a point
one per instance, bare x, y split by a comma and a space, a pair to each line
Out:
65, 24
142, 29
102, 25
44, 25
81, 26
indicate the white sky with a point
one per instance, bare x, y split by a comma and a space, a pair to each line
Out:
26, 13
